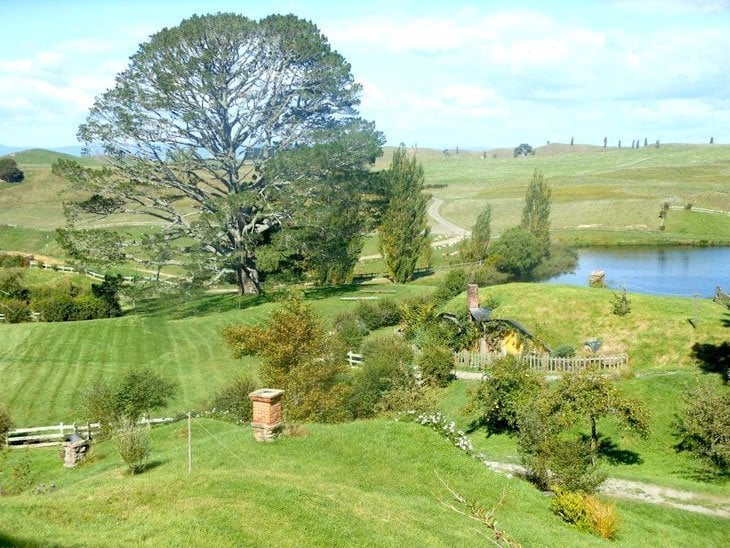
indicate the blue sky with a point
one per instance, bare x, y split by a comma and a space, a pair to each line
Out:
441, 74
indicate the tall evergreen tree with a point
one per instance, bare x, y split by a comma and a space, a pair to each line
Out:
536, 213
475, 248
403, 233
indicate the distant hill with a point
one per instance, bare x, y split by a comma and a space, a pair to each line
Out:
44, 157
73, 150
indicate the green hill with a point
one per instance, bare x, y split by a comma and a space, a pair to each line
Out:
371, 483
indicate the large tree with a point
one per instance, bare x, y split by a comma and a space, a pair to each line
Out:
476, 247
404, 234
191, 126
536, 211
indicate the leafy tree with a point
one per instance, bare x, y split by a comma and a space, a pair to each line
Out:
453, 284
523, 150
189, 131
123, 401
704, 426
436, 362
517, 252
299, 357
536, 211
500, 398
9, 171
587, 394
403, 234
475, 248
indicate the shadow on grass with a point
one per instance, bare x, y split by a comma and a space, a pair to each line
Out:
151, 465
613, 454
8, 540
713, 358
316, 293
706, 474
199, 305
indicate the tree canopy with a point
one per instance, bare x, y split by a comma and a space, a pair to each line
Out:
192, 130
9, 171
536, 211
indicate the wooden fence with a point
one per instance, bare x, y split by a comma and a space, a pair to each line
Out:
354, 359
543, 363
45, 436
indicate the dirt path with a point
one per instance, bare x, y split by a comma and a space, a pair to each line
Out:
445, 232
689, 501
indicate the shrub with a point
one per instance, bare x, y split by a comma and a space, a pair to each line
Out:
55, 307
350, 329
13, 261
11, 284
564, 351
571, 466
377, 314
15, 310
436, 363
9, 171
122, 402
586, 513
89, 307
500, 398
453, 284
487, 274
232, 399
6, 423
620, 303
704, 426
387, 367
133, 445
517, 252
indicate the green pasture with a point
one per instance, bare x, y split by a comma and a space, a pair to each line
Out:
359, 484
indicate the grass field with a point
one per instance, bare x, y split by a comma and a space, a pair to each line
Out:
359, 484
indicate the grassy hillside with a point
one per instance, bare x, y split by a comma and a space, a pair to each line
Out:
360, 484
600, 196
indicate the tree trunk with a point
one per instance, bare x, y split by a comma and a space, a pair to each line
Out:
248, 281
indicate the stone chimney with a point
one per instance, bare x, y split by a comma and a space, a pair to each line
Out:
267, 416
472, 296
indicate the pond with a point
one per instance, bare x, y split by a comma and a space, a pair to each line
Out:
677, 271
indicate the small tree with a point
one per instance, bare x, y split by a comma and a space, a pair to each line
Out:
620, 303
475, 248
589, 395
122, 402
299, 357
500, 398
436, 362
518, 251
704, 426
536, 211
9, 171
523, 150
403, 234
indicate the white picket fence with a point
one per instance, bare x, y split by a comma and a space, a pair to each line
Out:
45, 436
354, 359
542, 363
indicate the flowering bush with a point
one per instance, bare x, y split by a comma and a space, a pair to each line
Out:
447, 428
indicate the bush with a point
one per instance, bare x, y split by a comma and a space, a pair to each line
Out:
620, 303
517, 252
232, 400
15, 310
56, 307
387, 367
377, 314
563, 351
122, 402
133, 445
350, 329
487, 274
501, 397
571, 466
436, 363
453, 284
9, 171
13, 261
6, 423
704, 426
586, 513
11, 284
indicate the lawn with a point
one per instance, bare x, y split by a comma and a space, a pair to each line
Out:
358, 484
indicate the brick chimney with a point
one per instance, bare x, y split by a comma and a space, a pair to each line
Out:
472, 296
267, 416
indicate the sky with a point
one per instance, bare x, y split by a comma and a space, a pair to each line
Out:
439, 74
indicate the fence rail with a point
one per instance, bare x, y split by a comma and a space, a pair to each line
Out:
45, 436
544, 363
354, 359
